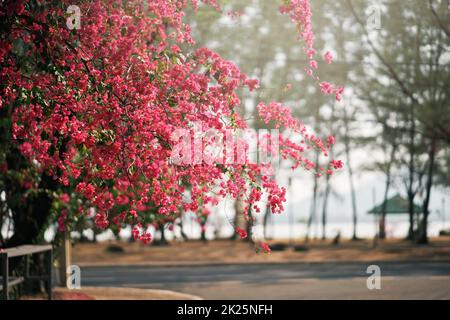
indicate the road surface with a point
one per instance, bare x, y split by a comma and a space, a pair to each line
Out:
399, 280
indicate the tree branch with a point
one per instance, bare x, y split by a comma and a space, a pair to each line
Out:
391, 70
438, 20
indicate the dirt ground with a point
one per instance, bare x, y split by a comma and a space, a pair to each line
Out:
225, 251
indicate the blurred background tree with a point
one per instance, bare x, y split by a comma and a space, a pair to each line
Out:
396, 77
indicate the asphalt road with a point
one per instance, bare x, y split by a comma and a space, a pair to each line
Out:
399, 280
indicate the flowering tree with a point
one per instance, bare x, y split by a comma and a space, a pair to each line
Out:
95, 107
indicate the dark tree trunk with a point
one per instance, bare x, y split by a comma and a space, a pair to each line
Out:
239, 221
355, 212
350, 175
410, 235
162, 238
352, 191
249, 225
181, 225
30, 220
325, 208
236, 219
266, 221
423, 232
312, 214
203, 234
382, 227
411, 193
30, 212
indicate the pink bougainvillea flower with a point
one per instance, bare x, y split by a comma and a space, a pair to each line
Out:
265, 247
101, 112
328, 57
242, 233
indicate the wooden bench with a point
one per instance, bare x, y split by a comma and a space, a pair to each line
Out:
25, 251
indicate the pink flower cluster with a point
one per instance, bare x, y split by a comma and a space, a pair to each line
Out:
300, 13
100, 116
